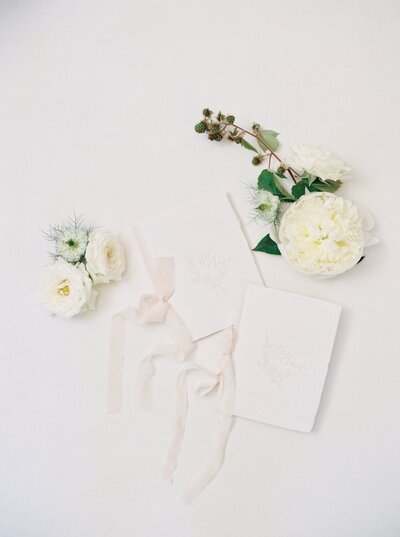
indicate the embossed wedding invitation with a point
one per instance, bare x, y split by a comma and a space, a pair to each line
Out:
284, 345
213, 262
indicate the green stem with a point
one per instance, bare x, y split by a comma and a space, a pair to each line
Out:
290, 170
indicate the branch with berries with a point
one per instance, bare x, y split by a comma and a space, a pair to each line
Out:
220, 126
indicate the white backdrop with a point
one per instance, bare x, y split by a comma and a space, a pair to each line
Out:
97, 105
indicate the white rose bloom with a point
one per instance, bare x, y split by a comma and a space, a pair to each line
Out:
317, 161
105, 257
323, 234
266, 205
67, 289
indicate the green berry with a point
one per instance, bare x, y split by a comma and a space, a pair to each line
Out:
215, 136
256, 161
207, 112
200, 127
230, 119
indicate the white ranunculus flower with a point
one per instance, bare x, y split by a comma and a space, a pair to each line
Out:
322, 234
317, 161
67, 289
105, 257
266, 205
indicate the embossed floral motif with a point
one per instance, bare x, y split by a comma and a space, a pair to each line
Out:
278, 363
208, 270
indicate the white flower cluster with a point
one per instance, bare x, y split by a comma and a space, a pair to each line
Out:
323, 234
316, 231
317, 161
83, 259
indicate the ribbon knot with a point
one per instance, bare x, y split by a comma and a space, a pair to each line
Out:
153, 308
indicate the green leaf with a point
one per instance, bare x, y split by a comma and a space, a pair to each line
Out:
268, 246
313, 184
299, 189
269, 140
246, 144
284, 194
267, 180
309, 178
316, 184
325, 186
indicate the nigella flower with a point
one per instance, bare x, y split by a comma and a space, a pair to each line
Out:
70, 239
71, 244
265, 204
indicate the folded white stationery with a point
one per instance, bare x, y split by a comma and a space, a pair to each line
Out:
213, 264
284, 345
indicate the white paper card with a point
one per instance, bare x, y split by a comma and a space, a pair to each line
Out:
281, 357
213, 262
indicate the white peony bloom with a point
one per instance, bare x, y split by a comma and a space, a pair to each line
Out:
67, 289
317, 161
71, 242
323, 234
266, 205
105, 257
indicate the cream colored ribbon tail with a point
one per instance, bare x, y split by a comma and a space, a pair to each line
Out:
223, 377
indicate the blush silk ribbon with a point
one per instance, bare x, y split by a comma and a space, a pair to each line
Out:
155, 308
203, 381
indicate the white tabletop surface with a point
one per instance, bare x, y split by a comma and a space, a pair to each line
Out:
97, 105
